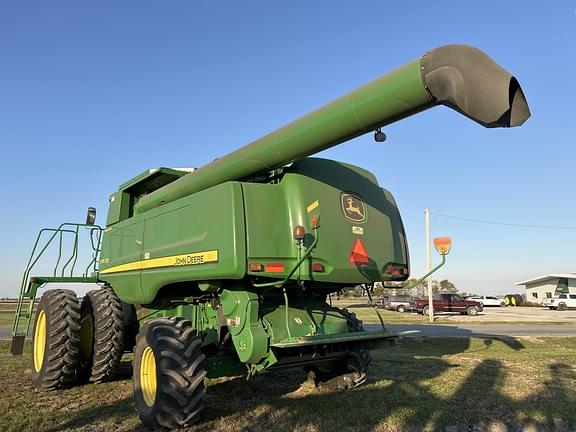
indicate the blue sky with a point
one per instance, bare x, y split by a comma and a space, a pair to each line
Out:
92, 93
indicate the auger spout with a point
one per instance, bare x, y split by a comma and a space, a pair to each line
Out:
458, 76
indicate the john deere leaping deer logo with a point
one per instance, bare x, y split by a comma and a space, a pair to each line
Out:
353, 207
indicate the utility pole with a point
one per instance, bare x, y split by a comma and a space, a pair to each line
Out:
429, 265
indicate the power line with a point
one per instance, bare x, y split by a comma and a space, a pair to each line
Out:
506, 224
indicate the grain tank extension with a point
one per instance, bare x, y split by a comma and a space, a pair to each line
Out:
233, 263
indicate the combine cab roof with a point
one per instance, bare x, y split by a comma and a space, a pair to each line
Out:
153, 179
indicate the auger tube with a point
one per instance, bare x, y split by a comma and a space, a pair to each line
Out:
458, 76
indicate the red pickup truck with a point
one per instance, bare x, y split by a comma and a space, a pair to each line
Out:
447, 303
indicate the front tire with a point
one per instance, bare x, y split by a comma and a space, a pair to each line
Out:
401, 309
562, 307
168, 374
56, 343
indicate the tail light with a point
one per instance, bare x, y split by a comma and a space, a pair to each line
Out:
255, 267
274, 267
318, 268
396, 270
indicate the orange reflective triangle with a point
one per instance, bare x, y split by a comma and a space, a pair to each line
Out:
358, 255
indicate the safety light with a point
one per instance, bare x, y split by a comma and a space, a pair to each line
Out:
443, 245
299, 233
315, 221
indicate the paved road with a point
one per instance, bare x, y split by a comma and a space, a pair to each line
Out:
479, 330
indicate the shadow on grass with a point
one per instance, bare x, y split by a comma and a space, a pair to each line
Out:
402, 396
403, 393
115, 413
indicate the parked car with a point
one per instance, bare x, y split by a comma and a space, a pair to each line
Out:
399, 303
560, 302
488, 300
447, 303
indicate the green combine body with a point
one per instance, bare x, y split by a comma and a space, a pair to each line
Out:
232, 265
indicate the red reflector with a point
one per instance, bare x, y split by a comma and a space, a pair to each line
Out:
317, 267
255, 267
358, 255
275, 267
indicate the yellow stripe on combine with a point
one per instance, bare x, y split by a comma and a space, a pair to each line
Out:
195, 258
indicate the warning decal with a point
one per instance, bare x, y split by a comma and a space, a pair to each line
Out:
358, 254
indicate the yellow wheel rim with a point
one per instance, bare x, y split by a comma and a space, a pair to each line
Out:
148, 376
39, 340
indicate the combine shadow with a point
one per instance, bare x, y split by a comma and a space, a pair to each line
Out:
115, 412
399, 394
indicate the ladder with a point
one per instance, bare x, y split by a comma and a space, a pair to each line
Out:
65, 271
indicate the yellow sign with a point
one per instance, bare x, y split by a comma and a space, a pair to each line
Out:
169, 261
312, 206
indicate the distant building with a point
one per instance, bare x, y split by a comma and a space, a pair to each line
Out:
541, 287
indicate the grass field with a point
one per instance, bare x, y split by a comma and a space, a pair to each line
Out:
451, 384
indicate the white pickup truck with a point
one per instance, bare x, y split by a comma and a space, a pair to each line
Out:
560, 302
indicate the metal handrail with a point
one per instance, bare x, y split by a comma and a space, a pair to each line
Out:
63, 228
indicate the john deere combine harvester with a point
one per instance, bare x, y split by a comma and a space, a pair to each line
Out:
233, 263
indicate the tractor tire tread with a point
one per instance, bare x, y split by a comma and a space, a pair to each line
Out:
179, 359
108, 343
62, 351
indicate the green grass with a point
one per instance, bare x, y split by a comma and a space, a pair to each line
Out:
6, 317
7, 311
423, 384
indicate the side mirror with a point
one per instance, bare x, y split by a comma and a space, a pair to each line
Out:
443, 245
91, 216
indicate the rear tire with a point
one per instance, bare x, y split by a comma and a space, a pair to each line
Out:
102, 336
56, 343
562, 307
168, 374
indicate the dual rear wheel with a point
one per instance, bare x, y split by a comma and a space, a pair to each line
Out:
76, 342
